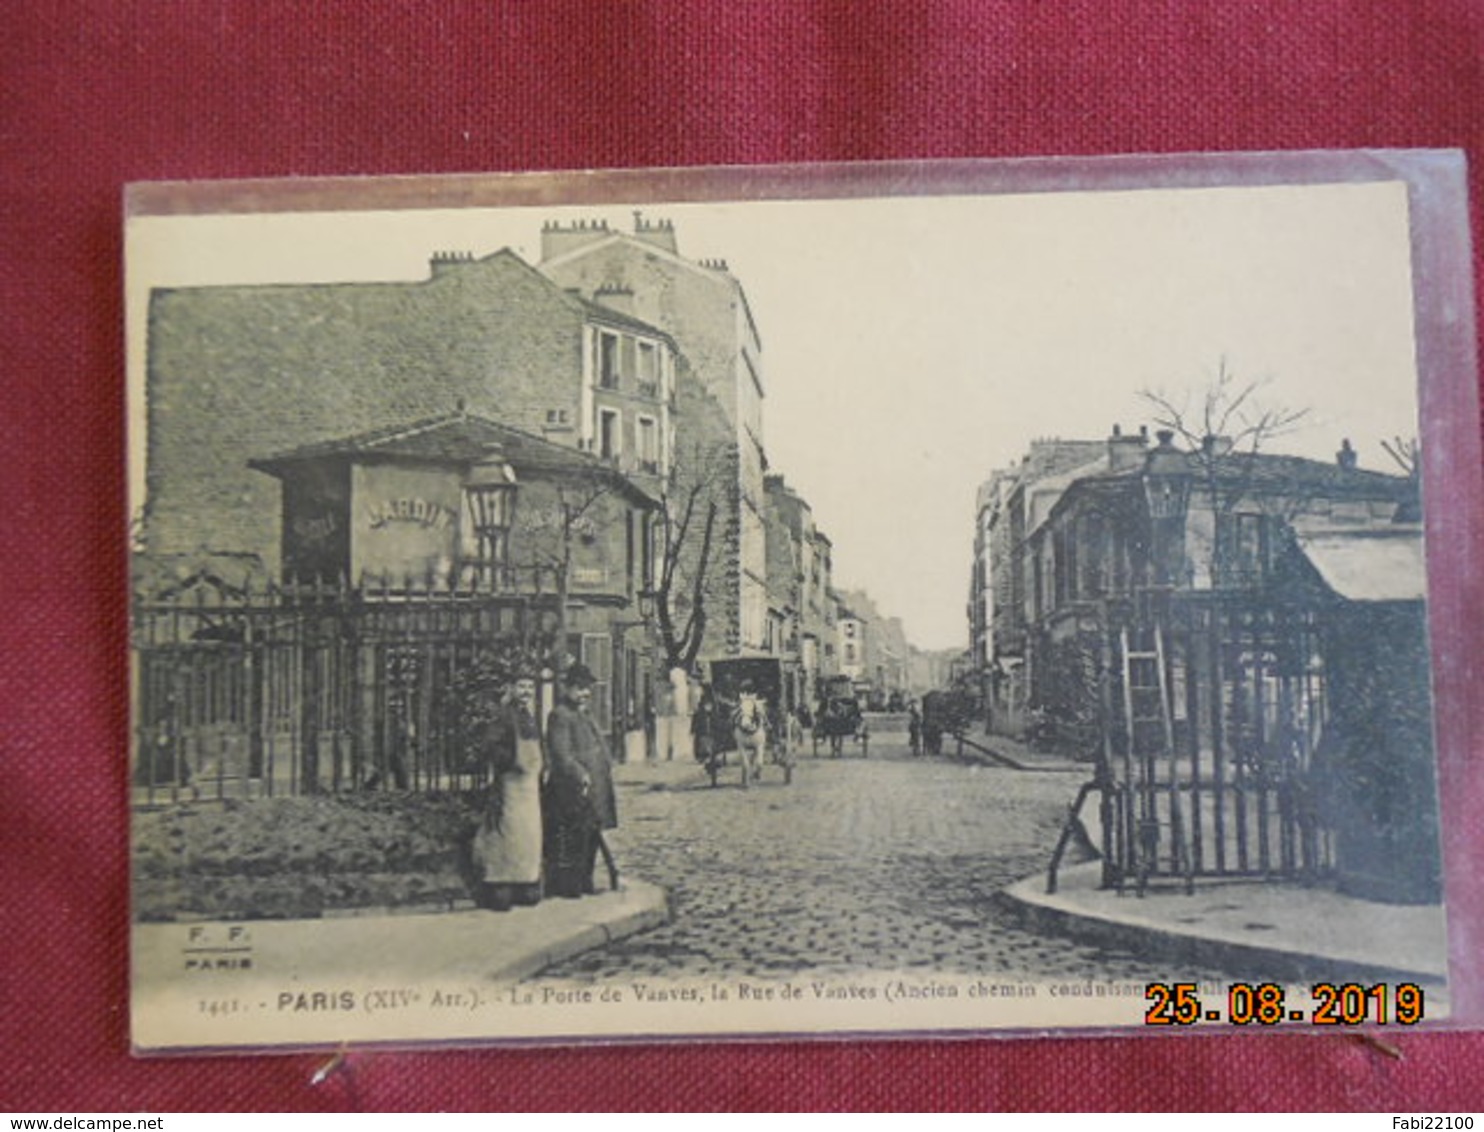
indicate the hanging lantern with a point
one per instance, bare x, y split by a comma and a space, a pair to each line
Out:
1167, 482
489, 505
1167, 479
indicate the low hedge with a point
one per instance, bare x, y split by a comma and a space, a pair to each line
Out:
296, 858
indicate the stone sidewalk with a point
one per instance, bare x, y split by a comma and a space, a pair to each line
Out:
474, 943
1267, 928
1001, 750
1285, 929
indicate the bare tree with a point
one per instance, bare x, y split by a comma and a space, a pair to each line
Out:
552, 534
689, 507
1223, 427
1406, 453
1225, 415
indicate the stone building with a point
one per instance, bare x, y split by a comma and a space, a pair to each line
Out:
800, 569
885, 656
1008, 504
704, 310
851, 643
465, 504
1249, 626
237, 371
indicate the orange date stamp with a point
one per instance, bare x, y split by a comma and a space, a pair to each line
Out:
1268, 1004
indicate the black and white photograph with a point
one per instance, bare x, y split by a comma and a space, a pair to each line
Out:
818, 601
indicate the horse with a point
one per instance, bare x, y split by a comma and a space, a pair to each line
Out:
750, 728
837, 720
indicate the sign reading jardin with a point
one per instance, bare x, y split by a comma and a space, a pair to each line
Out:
422, 512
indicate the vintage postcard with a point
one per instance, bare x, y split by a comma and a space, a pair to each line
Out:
960, 599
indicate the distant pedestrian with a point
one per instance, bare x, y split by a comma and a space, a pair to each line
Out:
932, 723
703, 726
797, 728
508, 845
914, 729
580, 802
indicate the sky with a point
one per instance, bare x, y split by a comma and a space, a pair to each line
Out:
913, 345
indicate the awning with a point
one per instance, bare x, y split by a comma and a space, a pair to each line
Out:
1371, 565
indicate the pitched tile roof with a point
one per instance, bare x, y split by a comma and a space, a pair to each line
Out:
458, 437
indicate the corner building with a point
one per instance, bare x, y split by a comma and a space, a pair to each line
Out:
703, 308
237, 371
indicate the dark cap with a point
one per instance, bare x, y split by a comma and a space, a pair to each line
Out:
579, 676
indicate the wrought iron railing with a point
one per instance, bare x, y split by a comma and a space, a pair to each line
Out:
303, 689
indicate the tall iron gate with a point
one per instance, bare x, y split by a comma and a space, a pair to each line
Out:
1212, 712
304, 689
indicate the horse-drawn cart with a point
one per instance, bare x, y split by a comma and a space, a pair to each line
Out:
840, 718
749, 720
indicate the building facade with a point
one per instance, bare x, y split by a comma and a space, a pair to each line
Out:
800, 574
1195, 616
459, 503
1011, 503
237, 371
704, 310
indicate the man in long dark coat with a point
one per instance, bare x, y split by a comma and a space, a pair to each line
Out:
579, 797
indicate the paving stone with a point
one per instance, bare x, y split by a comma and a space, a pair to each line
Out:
859, 864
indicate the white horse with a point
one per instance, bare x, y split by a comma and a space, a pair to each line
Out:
750, 727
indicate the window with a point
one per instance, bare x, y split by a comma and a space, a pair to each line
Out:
1062, 568
647, 370
1242, 549
608, 433
608, 361
1093, 582
557, 417
649, 453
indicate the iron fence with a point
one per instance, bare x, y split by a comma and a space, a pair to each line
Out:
302, 689
1208, 714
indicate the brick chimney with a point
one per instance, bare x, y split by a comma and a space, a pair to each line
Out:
1126, 452
660, 233
1217, 446
558, 238
615, 297
443, 262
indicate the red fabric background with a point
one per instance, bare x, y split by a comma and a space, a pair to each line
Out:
97, 94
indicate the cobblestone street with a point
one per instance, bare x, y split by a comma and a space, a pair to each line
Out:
883, 863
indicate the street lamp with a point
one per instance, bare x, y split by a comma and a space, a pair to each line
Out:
489, 490
1167, 482
619, 710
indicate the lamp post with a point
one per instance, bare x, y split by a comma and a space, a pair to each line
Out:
620, 684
